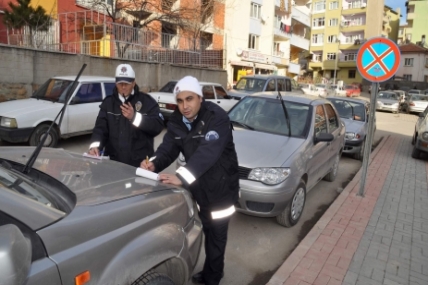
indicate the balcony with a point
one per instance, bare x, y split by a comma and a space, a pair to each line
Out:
279, 57
279, 33
347, 63
315, 64
294, 68
301, 14
349, 26
353, 8
299, 42
410, 16
348, 45
330, 65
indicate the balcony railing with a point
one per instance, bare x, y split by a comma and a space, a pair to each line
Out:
301, 14
299, 41
354, 5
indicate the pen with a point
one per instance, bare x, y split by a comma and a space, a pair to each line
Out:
147, 159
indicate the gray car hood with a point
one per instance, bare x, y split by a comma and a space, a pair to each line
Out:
258, 149
93, 181
352, 125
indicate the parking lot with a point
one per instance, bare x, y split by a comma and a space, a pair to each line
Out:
258, 246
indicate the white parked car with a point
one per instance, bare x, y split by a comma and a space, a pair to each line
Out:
336, 90
310, 89
213, 92
323, 89
27, 120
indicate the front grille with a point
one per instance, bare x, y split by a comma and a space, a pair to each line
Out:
243, 172
260, 207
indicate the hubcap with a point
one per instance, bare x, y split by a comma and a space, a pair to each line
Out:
48, 140
297, 204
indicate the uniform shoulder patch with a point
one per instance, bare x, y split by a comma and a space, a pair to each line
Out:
212, 136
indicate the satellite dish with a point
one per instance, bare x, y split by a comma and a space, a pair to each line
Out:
238, 51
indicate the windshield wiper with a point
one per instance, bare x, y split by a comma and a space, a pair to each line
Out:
287, 118
36, 152
242, 125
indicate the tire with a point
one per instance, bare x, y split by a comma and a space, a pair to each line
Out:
294, 209
51, 140
414, 138
416, 152
360, 154
331, 176
153, 278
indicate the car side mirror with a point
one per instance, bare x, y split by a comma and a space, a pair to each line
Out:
324, 137
75, 100
15, 257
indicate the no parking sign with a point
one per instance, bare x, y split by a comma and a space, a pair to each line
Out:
378, 60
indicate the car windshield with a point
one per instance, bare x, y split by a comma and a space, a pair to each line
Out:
53, 90
23, 186
267, 115
250, 84
414, 92
349, 109
169, 87
387, 95
419, 97
320, 85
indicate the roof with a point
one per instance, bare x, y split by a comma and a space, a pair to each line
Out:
412, 48
86, 78
356, 100
265, 76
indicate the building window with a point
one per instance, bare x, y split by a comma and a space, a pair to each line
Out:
253, 41
332, 39
354, 4
331, 56
334, 5
255, 10
317, 38
408, 62
407, 77
426, 62
350, 57
352, 38
409, 37
317, 57
426, 78
400, 32
334, 22
318, 22
352, 73
319, 6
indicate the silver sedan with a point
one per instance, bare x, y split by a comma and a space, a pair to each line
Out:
387, 101
284, 149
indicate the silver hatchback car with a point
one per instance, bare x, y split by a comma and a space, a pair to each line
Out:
76, 220
284, 150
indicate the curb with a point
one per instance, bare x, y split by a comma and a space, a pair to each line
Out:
285, 270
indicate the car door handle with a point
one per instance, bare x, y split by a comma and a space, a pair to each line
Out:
218, 102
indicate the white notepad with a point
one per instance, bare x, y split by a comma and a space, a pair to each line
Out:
95, 157
147, 174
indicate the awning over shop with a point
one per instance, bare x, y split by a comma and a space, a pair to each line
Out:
242, 63
265, 66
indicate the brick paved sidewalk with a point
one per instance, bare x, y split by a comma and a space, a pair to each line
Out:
381, 238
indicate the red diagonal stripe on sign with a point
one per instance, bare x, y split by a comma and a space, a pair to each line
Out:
378, 59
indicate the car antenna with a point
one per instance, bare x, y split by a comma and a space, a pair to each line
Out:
287, 118
36, 152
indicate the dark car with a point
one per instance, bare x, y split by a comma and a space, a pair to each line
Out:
259, 83
76, 220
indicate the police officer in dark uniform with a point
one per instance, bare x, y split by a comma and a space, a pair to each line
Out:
127, 122
203, 133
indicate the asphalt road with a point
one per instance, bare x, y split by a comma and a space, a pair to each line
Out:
258, 246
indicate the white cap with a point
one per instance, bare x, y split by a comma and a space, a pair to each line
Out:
125, 73
188, 83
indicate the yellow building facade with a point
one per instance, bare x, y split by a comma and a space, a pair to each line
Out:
51, 6
338, 30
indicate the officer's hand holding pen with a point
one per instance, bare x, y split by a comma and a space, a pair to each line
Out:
94, 151
127, 110
147, 165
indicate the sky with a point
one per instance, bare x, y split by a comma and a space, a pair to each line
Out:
398, 4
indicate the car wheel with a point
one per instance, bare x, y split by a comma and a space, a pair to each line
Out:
359, 155
416, 152
414, 138
153, 278
292, 213
51, 140
331, 176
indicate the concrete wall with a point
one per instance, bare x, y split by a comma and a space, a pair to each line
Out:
22, 70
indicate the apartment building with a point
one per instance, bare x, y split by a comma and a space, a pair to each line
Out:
338, 30
391, 23
401, 38
417, 21
266, 36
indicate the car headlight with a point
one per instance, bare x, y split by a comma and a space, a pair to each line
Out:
269, 175
8, 122
425, 136
352, 136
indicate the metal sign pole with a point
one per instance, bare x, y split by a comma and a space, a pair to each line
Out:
369, 139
